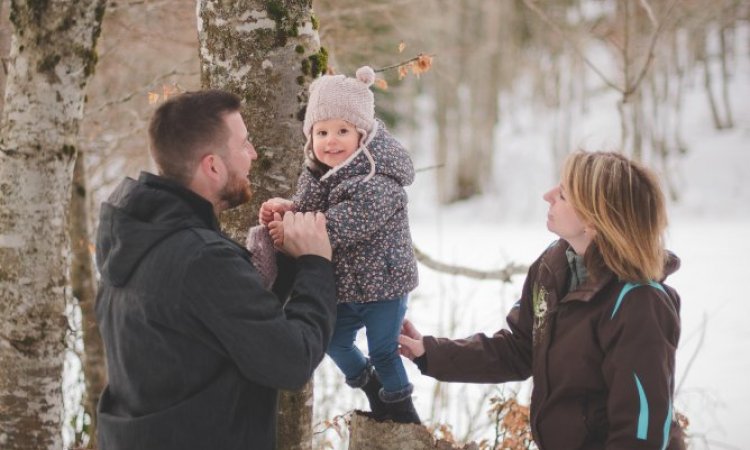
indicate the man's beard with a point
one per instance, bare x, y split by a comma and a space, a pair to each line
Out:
236, 192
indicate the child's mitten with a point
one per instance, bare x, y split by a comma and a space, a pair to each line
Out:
263, 254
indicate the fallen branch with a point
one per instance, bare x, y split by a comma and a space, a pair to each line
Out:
503, 275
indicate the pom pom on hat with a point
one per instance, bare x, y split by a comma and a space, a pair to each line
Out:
366, 75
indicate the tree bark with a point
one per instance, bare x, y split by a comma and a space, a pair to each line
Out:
367, 434
51, 59
267, 53
84, 292
708, 85
268, 57
4, 44
475, 165
448, 118
725, 76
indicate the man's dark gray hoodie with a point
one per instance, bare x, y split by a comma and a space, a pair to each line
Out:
196, 347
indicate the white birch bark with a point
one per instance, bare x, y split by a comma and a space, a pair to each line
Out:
51, 58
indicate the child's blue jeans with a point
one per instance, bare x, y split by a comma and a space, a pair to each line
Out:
382, 323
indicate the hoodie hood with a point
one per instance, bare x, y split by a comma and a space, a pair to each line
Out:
141, 214
383, 155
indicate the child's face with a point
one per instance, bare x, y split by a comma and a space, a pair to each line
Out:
334, 140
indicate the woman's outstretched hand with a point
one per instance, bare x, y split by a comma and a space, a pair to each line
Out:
410, 341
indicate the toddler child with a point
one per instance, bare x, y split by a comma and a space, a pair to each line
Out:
355, 174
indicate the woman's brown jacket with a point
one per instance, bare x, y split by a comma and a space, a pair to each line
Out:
602, 357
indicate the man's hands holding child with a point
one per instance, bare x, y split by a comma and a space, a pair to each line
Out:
411, 344
300, 234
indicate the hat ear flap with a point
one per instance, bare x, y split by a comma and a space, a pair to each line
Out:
307, 149
367, 137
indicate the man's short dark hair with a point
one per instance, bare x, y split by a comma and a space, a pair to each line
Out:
184, 126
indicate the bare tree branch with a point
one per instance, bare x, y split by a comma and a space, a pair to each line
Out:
361, 9
402, 63
650, 12
503, 275
427, 168
530, 4
654, 38
129, 96
694, 355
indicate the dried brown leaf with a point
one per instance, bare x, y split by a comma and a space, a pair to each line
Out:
381, 84
403, 71
424, 63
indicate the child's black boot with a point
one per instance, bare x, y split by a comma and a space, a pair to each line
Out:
369, 382
400, 407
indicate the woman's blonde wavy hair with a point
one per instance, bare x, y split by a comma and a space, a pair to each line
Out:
621, 200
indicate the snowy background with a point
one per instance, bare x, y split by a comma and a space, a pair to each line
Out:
709, 230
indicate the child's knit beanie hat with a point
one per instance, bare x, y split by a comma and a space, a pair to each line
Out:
341, 97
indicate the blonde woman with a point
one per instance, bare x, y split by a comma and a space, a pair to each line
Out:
596, 326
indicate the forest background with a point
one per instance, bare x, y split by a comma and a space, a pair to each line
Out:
514, 85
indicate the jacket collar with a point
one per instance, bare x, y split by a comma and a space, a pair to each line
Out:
202, 207
589, 288
592, 286
556, 263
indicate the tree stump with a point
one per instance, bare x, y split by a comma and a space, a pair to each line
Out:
368, 434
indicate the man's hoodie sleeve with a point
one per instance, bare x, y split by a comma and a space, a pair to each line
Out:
271, 344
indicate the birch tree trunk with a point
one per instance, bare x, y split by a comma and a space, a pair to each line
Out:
51, 59
267, 53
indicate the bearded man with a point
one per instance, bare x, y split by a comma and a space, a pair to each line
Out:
196, 346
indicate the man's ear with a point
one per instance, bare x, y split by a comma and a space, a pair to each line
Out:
211, 167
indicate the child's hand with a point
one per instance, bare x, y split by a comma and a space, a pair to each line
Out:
411, 343
276, 230
271, 206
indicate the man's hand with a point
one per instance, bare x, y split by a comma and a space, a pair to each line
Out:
306, 234
271, 206
411, 344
